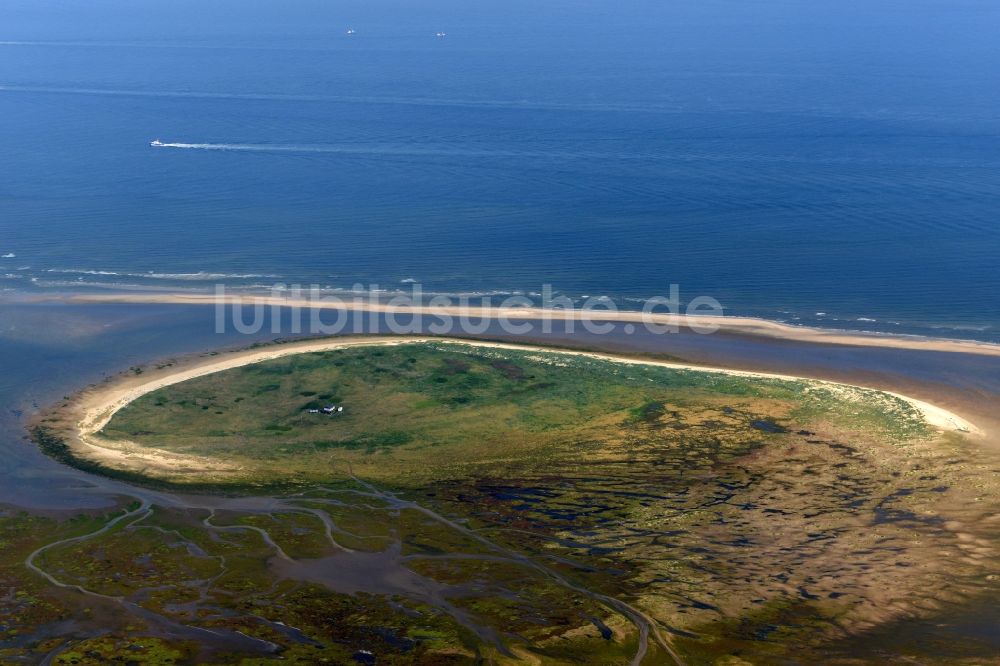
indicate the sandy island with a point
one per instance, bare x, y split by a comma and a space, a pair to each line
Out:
93, 408
738, 325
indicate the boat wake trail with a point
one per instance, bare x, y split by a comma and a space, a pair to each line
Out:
239, 146
370, 150
389, 149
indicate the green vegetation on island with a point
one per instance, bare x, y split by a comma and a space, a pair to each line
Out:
417, 413
477, 504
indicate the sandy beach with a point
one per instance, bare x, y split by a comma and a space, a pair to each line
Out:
747, 326
92, 409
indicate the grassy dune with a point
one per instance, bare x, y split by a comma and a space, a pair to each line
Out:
418, 413
485, 505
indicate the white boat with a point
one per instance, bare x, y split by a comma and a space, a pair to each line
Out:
441, 34
156, 143
350, 31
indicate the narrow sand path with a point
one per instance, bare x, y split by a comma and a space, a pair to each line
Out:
750, 326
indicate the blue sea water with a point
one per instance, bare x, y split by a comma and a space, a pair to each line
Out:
821, 163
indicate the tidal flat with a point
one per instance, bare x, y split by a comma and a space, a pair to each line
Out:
474, 503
